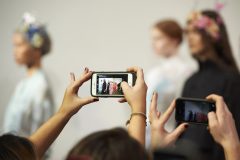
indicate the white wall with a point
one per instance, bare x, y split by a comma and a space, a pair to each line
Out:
103, 35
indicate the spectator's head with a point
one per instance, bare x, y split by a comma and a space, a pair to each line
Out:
31, 41
16, 148
108, 145
166, 37
208, 39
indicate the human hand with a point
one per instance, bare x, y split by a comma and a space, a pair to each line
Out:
71, 101
160, 137
222, 125
136, 95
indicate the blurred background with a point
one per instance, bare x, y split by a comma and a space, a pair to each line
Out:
106, 35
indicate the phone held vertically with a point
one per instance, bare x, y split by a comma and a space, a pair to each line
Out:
108, 84
193, 110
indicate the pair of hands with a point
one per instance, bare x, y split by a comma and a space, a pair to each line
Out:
135, 96
221, 125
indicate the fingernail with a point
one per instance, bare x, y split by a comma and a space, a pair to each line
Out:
95, 100
71, 75
186, 126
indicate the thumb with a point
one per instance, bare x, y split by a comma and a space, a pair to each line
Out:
179, 130
87, 100
125, 86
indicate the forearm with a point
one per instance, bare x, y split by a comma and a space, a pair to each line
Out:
232, 152
137, 126
48, 132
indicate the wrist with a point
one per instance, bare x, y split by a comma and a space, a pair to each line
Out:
64, 114
232, 146
232, 151
142, 110
139, 108
139, 116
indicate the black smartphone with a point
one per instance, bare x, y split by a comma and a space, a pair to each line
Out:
193, 110
108, 84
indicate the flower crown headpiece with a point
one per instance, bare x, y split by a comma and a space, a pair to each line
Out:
209, 25
32, 30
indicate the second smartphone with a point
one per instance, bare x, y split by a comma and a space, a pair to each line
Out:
193, 110
108, 84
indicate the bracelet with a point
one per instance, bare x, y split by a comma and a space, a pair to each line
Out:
135, 114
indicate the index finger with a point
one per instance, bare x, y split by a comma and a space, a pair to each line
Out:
168, 112
153, 107
85, 77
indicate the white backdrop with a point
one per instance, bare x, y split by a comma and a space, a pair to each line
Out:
103, 35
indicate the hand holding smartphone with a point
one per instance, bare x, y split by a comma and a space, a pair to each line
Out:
108, 84
193, 110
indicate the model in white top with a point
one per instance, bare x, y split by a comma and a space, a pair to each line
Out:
30, 106
167, 78
32, 102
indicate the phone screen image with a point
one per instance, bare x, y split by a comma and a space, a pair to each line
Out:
193, 111
108, 84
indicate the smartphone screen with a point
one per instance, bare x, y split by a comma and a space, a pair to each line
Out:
108, 84
193, 110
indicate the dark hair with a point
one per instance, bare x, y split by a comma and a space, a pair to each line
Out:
171, 28
16, 148
41, 31
47, 43
222, 52
114, 144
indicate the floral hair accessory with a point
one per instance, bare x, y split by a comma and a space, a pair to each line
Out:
205, 23
220, 5
32, 30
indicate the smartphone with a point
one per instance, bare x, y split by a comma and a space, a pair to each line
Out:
108, 84
193, 110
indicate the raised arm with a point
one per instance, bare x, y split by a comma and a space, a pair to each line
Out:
160, 137
136, 98
223, 129
72, 103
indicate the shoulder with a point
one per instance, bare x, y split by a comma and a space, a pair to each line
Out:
154, 72
178, 65
193, 78
232, 78
40, 81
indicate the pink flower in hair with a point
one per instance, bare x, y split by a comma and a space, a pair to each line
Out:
203, 22
219, 6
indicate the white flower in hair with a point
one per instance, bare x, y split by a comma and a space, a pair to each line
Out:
29, 18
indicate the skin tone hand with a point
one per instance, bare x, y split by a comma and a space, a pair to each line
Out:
160, 137
72, 103
222, 127
136, 98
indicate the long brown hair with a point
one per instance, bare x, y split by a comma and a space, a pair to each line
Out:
222, 53
108, 145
